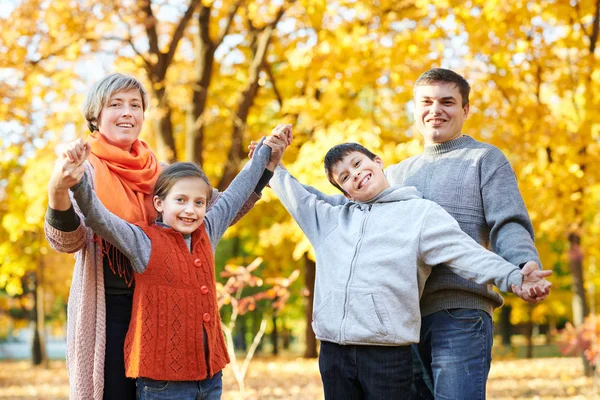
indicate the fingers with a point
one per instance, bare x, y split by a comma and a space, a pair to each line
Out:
543, 273
76, 151
530, 267
284, 132
252, 148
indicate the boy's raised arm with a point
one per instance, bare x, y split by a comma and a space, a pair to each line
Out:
315, 217
443, 242
334, 200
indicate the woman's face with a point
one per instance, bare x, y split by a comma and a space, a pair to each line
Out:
121, 118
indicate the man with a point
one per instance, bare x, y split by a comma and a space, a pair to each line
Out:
475, 183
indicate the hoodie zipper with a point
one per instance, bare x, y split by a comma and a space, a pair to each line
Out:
352, 265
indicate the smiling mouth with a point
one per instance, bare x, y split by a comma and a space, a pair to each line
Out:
364, 181
436, 121
125, 125
187, 220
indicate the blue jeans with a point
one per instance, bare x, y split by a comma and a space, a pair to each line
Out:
456, 350
365, 372
207, 389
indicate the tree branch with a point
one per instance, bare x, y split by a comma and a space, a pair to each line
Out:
178, 34
230, 16
268, 70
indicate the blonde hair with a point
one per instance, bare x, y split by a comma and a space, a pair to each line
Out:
101, 93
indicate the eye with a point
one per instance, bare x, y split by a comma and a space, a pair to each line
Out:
136, 105
357, 164
200, 203
179, 199
114, 105
344, 178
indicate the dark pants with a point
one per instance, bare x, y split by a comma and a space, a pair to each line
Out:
456, 350
365, 372
118, 314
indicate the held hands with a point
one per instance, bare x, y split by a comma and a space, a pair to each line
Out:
280, 138
535, 287
69, 168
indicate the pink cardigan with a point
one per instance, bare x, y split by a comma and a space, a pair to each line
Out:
86, 310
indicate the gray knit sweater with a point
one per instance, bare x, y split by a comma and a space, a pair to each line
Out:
475, 183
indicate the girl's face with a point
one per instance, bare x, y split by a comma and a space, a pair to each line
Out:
184, 206
121, 118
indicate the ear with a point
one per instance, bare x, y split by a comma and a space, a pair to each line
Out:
158, 203
379, 161
466, 111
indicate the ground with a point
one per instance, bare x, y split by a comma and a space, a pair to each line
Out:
289, 378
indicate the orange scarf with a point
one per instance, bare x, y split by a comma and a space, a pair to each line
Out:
124, 182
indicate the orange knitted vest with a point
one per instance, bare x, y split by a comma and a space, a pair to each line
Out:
174, 302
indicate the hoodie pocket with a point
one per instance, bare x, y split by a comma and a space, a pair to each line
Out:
368, 320
327, 317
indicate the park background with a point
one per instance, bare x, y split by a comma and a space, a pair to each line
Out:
221, 73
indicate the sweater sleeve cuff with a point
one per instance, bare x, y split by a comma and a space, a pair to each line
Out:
515, 278
65, 221
264, 181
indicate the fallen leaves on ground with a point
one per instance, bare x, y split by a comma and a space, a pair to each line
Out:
298, 379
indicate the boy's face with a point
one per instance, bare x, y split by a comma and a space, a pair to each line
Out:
359, 176
439, 114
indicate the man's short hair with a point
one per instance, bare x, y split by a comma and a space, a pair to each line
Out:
442, 75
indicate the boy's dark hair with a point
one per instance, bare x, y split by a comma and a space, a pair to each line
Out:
337, 153
173, 173
442, 75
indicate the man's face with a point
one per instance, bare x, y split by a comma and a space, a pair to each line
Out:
360, 177
439, 114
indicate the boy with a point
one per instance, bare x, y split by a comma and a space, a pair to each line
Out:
374, 254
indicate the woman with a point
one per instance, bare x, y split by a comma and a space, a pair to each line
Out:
124, 171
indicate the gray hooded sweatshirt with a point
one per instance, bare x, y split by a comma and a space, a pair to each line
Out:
373, 259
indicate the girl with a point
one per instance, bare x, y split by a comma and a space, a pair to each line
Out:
174, 345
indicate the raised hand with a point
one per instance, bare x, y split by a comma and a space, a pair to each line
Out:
67, 172
535, 287
278, 141
77, 151
280, 138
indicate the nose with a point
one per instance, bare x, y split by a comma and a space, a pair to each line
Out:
126, 110
357, 174
436, 107
189, 208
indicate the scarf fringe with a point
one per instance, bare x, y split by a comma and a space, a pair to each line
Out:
114, 256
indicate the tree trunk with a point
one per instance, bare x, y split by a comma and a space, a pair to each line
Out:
205, 55
505, 325
245, 102
38, 350
529, 333
580, 306
275, 336
164, 128
309, 281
